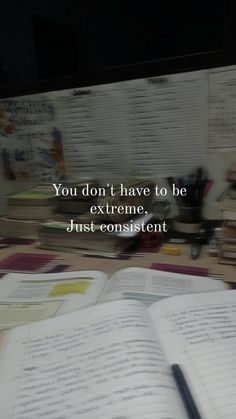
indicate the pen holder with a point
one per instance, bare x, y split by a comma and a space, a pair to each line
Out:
189, 220
190, 214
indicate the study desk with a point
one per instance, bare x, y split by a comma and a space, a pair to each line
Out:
78, 262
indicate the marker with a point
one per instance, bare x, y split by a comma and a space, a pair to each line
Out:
195, 251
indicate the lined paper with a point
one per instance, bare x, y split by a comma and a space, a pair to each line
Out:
107, 365
222, 108
150, 127
111, 130
199, 332
76, 124
169, 124
142, 128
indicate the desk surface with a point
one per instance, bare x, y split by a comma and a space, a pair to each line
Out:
78, 262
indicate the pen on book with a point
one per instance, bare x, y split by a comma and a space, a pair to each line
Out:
185, 392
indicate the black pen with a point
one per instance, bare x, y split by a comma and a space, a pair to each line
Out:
185, 392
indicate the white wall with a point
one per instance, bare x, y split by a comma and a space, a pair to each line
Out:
217, 163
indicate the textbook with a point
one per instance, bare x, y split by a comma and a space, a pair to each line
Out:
25, 298
30, 197
89, 238
19, 228
33, 212
54, 236
30, 297
32, 204
113, 361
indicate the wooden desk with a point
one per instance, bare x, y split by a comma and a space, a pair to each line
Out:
78, 262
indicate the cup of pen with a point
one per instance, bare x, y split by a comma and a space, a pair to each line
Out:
190, 214
189, 219
194, 188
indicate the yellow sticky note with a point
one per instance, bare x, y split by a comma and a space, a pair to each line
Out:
79, 287
171, 250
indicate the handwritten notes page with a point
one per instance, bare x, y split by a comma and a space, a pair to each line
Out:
107, 364
148, 286
199, 332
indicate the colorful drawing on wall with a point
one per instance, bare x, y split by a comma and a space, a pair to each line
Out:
6, 124
57, 152
14, 164
13, 153
30, 145
48, 156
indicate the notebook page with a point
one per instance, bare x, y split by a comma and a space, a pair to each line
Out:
148, 285
199, 333
102, 362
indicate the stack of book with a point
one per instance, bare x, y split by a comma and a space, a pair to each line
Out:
54, 236
25, 211
19, 228
227, 243
75, 209
227, 203
78, 204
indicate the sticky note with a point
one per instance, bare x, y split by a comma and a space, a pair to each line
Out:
79, 287
171, 250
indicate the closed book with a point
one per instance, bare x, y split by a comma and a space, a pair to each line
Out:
232, 193
19, 228
227, 261
227, 250
77, 190
72, 206
32, 212
227, 253
230, 224
228, 234
56, 234
231, 173
227, 204
229, 215
30, 197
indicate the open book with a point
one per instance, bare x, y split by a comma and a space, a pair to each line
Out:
25, 297
112, 361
